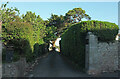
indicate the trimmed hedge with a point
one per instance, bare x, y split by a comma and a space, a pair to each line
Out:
73, 39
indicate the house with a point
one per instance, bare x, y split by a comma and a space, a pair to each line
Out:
118, 36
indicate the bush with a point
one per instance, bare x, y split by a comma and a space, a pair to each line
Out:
3, 55
43, 49
30, 56
36, 49
16, 56
73, 39
21, 35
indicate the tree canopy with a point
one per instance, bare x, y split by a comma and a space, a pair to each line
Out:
76, 15
63, 22
38, 25
23, 32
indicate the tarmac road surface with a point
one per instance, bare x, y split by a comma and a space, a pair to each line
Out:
54, 65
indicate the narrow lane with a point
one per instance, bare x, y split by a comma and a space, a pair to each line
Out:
54, 66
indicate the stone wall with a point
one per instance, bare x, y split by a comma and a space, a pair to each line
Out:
0, 59
107, 56
17, 69
0, 49
119, 55
14, 69
20, 68
101, 56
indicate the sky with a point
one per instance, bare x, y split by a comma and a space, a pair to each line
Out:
61, 0
102, 11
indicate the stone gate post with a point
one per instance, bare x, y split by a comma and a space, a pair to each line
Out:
90, 53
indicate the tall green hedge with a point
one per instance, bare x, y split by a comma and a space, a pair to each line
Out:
73, 39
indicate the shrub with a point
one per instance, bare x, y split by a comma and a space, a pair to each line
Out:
43, 48
16, 56
36, 49
3, 55
20, 34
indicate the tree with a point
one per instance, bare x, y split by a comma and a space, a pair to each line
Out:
38, 25
54, 25
63, 22
7, 15
76, 15
50, 34
17, 34
56, 20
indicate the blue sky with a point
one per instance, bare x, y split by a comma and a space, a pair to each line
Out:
103, 11
60, 0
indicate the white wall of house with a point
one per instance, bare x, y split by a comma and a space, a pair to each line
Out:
56, 43
50, 45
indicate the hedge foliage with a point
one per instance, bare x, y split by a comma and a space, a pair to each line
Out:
39, 50
21, 36
73, 39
